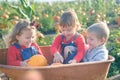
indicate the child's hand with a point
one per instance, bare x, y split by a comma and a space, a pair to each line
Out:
24, 63
66, 52
58, 58
72, 61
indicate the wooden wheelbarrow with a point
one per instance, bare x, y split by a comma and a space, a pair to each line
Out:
80, 71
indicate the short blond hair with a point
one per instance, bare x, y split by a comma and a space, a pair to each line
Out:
69, 19
100, 29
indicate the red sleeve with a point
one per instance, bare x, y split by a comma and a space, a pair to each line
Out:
13, 56
55, 47
38, 48
81, 46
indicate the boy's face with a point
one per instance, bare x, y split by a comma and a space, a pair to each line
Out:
26, 38
68, 31
93, 41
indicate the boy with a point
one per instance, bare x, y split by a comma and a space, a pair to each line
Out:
98, 34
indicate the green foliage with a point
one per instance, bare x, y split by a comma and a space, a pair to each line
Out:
5, 24
47, 23
114, 45
25, 10
88, 11
46, 41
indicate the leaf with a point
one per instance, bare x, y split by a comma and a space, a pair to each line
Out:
23, 3
20, 11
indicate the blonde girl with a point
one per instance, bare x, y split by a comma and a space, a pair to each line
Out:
22, 44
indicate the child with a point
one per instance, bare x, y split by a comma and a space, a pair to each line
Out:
69, 46
22, 44
31, 75
98, 34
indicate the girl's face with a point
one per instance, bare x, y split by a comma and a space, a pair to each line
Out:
68, 31
26, 38
93, 41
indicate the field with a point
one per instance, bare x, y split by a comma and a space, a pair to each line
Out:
47, 16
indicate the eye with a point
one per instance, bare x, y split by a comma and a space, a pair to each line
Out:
27, 37
91, 39
33, 37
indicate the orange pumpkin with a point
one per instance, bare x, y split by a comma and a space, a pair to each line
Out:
39, 34
37, 60
118, 21
16, 17
2, 26
57, 27
46, 15
5, 16
56, 64
1, 8
14, 22
118, 40
56, 18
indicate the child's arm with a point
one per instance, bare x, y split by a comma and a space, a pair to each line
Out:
58, 58
55, 47
81, 47
13, 56
24, 63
